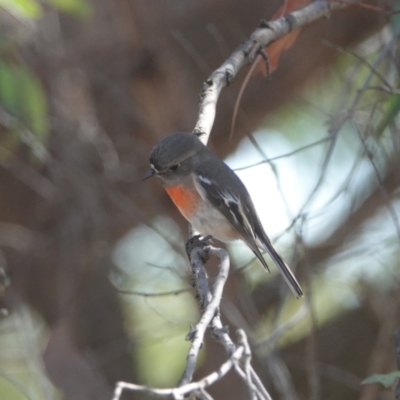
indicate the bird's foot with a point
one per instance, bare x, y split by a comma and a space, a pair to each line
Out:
197, 241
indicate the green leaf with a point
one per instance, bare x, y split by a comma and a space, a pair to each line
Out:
22, 8
76, 7
386, 380
8, 94
392, 109
34, 105
22, 95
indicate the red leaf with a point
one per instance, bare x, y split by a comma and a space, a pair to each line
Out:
276, 49
274, 52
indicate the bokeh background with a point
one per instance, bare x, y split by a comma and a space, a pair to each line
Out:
86, 90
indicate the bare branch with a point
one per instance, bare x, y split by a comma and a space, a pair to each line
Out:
363, 61
182, 390
239, 357
145, 294
291, 153
197, 258
249, 376
246, 52
246, 364
221, 334
381, 186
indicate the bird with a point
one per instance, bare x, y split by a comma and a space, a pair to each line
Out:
212, 198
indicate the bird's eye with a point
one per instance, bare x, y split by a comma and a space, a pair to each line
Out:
174, 167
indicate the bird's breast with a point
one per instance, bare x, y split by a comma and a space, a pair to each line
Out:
185, 199
203, 216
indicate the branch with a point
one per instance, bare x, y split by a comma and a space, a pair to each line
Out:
197, 258
146, 294
239, 356
246, 52
220, 333
190, 387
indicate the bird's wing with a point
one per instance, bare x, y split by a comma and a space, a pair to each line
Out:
240, 212
235, 210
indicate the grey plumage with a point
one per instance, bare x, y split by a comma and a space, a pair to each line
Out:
183, 158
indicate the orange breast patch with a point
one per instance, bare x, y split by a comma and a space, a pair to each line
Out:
185, 200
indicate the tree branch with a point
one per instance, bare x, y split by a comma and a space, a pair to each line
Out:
190, 387
246, 52
239, 356
197, 258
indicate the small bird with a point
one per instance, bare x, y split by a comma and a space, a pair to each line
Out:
212, 197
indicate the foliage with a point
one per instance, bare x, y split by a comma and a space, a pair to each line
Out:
22, 97
34, 9
22, 8
386, 380
75, 7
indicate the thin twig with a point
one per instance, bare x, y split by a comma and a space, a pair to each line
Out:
336, 128
397, 348
362, 59
240, 94
382, 189
291, 153
222, 336
281, 330
178, 392
246, 360
145, 294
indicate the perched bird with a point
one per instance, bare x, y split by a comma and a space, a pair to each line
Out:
212, 197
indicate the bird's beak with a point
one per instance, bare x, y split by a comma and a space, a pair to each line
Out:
149, 174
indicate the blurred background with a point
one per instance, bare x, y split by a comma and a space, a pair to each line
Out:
87, 88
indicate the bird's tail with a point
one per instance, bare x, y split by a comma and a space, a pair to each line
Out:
284, 269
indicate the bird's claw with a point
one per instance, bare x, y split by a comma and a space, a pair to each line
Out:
197, 241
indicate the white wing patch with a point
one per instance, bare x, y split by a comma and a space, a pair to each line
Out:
229, 197
232, 203
199, 187
204, 179
246, 222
